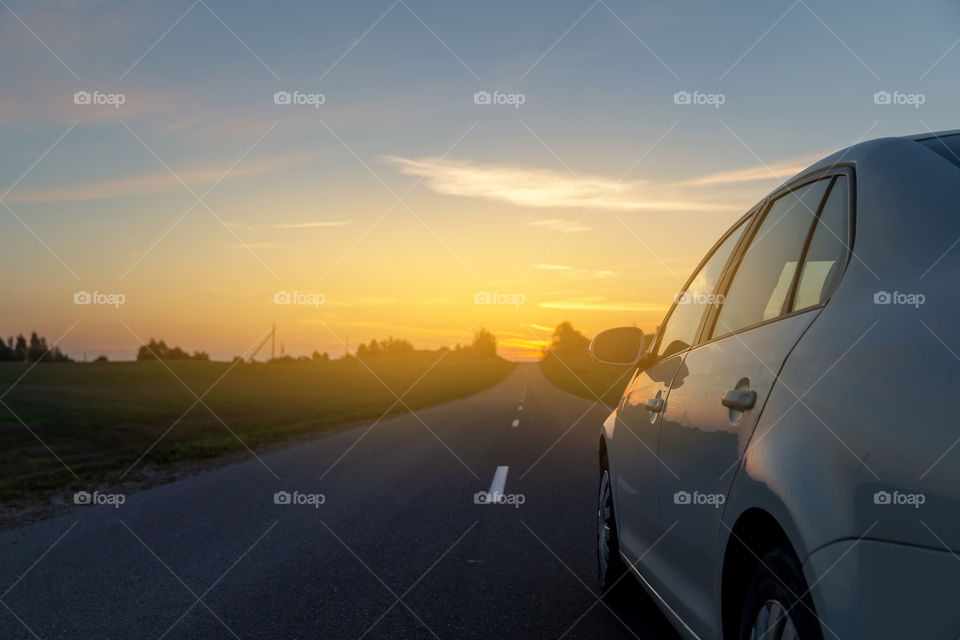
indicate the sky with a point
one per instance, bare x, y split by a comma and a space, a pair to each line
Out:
203, 169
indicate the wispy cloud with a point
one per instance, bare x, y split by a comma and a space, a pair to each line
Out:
576, 271
535, 187
313, 225
557, 224
776, 171
541, 188
151, 183
600, 304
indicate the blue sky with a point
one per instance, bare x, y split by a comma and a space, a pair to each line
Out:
502, 198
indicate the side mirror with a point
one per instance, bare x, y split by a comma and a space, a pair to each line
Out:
623, 346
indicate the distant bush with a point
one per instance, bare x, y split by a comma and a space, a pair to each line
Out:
390, 346
154, 350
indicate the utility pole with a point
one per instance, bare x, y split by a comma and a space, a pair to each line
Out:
273, 341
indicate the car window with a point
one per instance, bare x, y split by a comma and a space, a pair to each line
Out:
682, 323
827, 250
762, 281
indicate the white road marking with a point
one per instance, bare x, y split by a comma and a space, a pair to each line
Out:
499, 482
516, 423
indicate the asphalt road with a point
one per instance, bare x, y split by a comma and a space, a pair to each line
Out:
399, 548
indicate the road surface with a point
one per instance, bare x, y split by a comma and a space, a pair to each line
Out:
382, 538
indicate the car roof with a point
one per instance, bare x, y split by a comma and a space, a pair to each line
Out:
861, 150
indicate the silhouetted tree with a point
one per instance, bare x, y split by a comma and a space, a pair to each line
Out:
567, 341
21, 349
484, 344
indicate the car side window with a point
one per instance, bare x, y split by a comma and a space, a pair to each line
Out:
827, 252
681, 326
762, 281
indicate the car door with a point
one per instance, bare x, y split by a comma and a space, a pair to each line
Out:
633, 451
768, 303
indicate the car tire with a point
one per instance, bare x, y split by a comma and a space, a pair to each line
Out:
610, 566
778, 605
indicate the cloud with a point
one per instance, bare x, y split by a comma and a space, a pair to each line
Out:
777, 171
150, 183
556, 224
253, 245
600, 304
312, 225
576, 271
540, 188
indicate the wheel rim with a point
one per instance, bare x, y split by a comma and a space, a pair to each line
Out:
604, 523
773, 623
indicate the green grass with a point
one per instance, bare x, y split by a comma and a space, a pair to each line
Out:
580, 375
99, 418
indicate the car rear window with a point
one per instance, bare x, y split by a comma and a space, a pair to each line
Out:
946, 146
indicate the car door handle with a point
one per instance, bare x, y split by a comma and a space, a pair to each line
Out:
739, 399
654, 405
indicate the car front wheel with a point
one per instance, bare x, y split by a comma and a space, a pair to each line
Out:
609, 563
778, 604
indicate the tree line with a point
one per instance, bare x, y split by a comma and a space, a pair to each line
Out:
33, 350
20, 349
484, 344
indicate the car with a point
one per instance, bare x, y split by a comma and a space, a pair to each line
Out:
785, 459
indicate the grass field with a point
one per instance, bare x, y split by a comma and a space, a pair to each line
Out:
582, 376
100, 418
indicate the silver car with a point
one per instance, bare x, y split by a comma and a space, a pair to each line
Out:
784, 462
